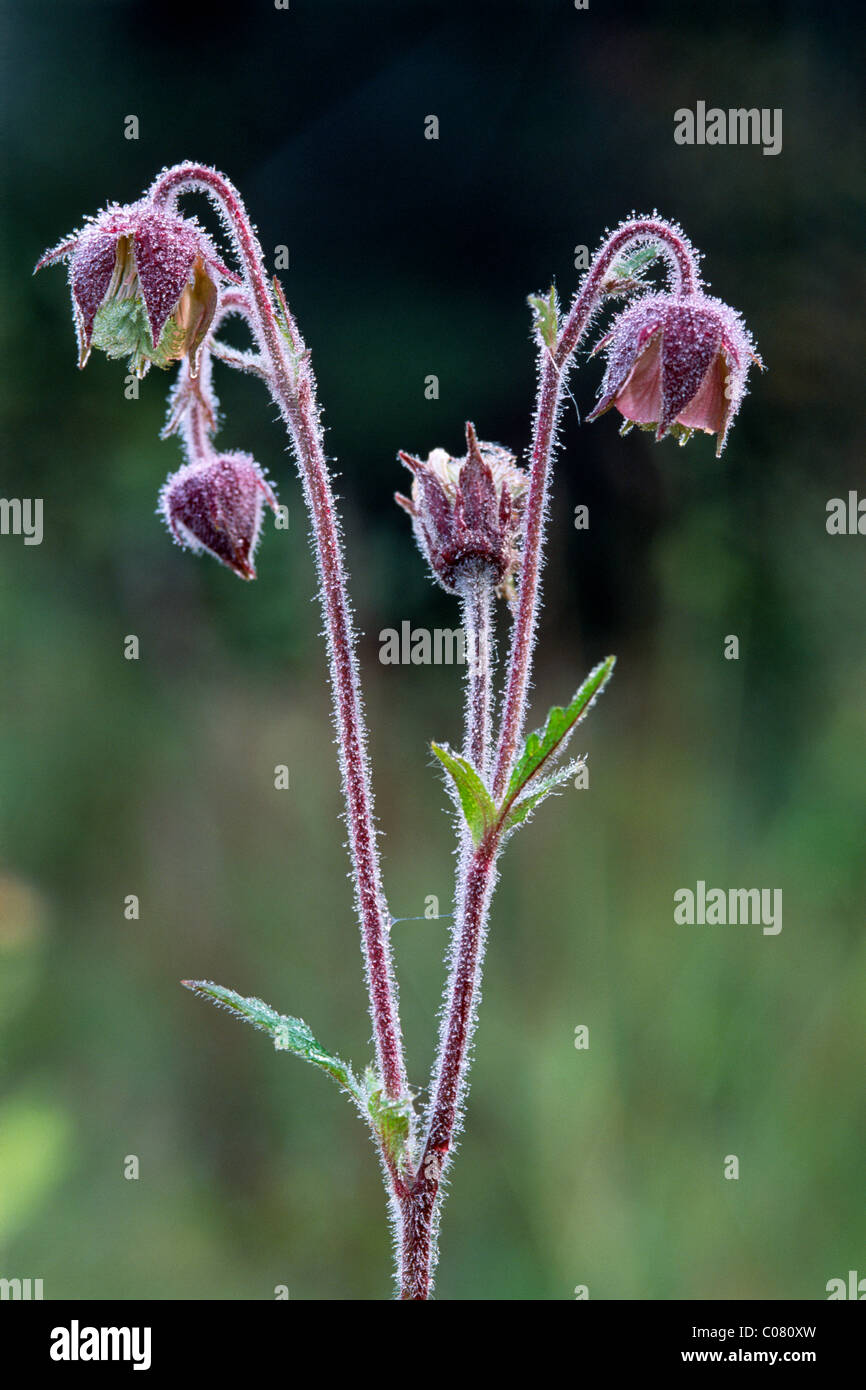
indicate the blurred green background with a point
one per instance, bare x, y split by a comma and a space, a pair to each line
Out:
155, 777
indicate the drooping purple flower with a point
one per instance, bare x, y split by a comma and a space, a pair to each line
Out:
218, 506
676, 364
466, 512
144, 284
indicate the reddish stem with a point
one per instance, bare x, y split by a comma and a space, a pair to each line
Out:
292, 385
476, 595
523, 631
553, 367
420, 1209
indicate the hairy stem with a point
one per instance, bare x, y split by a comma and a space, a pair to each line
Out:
524, 629
476, 597
292, 386
554, 364
421, 1206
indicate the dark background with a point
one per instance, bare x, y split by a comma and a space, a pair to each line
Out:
411, 257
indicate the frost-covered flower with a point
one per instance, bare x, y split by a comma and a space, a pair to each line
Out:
144, 284
466, 512
676, 364
218, 506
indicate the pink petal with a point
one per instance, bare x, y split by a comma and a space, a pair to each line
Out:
708, 409
631, 333
641, 396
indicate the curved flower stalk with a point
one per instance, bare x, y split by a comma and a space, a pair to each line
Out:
146, 282
216, 502
285, 364
616, 270
281, 358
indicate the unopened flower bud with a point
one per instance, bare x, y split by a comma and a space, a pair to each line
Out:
144, 284
218, 506
676, 364
467, 512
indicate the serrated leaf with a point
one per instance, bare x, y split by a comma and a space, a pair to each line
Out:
546, 317
289, 1034
520, 808
544, 744
479, 811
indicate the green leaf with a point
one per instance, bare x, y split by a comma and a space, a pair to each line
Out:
545, 743
521, 808
546, 316
476, 801
637, 260
390, 1118
121, 329
288, 1034
626, 274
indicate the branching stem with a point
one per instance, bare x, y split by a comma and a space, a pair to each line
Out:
478, 871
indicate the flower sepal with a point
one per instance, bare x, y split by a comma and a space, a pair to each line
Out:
144, 283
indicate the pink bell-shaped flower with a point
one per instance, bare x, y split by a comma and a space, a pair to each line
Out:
676, 364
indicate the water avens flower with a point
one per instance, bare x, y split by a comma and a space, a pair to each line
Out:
144, 284
676, 364
467, 512
218, 506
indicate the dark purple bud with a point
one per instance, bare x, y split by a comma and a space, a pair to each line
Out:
467, 512
218, 506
